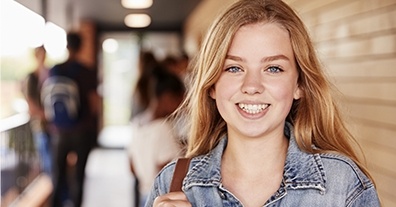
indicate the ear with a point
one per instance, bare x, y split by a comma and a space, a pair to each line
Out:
212, 92
297, 93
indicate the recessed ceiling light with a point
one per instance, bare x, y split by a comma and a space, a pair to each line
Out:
137, 20
136, 4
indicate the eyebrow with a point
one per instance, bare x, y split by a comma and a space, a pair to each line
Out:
265, 59
232, 57
275, 57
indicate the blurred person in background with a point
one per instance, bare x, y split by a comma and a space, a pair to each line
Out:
141, 94
31, 89
154, 142
71, 105
177, 65
170, 64
182, 66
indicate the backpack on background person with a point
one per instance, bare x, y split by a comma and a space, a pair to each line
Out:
61, 98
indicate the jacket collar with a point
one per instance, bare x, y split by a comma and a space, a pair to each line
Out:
302, 170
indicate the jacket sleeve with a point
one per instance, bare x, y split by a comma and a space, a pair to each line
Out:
154, 193
161, 183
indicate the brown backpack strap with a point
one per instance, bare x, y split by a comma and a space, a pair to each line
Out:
181, 170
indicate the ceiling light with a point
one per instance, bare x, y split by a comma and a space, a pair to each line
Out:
137, 20
136, 4
110, 45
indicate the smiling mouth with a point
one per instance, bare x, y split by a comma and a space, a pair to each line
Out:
253, 108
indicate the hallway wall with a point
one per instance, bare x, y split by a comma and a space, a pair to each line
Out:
356, 41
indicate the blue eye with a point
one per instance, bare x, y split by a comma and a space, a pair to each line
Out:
274, 69
233, 69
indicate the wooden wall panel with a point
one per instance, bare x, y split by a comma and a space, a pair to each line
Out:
380, 135
354, 24
386, 189
383, 44
374, 112
368, 68
384, 92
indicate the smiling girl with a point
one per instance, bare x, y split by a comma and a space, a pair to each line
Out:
264, 129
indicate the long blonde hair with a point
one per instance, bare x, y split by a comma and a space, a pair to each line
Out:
315, 116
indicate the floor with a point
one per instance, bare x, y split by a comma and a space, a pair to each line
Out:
109, 181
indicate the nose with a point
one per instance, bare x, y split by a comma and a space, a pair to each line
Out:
252, 83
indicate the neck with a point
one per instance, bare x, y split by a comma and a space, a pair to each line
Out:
40, 66
72, 55
255, 156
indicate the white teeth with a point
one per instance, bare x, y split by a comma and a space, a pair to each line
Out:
253, 108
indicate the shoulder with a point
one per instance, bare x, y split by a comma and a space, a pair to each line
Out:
164, 178
336, 164
160, 123
165, 175
56, 69
343, 174
58, 66
170, 167
162, 182
81, 67
142, 118
31, 77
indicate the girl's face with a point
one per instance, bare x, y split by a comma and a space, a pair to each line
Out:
258, 83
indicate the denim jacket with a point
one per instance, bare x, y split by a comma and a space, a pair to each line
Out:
308, 180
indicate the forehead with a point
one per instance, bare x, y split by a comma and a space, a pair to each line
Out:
262, 30
264, 39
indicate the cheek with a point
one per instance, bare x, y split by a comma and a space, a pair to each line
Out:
282, 92
224, 90
223, 94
